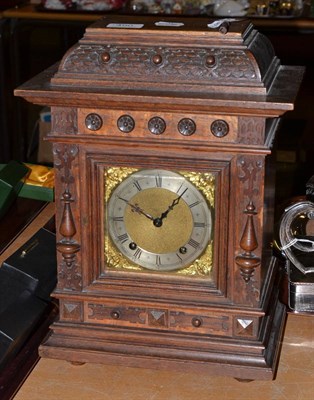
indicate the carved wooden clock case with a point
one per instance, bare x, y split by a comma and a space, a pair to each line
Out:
163, 134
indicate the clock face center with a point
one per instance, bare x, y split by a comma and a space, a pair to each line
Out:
160, 235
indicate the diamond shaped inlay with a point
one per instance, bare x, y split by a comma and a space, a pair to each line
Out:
157, 318
70, 307
157, 314
245, 322
244, 327
72, 311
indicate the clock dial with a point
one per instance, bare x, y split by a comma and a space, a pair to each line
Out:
159, 220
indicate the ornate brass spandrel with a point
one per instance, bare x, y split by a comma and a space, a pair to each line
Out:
113, 176
202, 267
205, 183
115, 260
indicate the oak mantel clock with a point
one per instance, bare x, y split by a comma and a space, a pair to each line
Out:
163, 132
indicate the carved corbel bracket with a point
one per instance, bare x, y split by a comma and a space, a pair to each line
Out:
248, 261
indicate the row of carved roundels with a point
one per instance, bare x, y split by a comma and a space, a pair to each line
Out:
157, 125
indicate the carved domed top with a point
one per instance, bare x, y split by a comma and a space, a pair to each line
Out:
170, 54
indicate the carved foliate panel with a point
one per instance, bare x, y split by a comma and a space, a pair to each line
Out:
250, 170
64, 120
251, 130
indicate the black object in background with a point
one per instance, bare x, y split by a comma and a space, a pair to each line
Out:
35, 264
27, 279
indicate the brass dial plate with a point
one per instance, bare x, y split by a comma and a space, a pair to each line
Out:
163, 239
137, 199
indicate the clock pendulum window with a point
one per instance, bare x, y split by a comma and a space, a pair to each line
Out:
163, 135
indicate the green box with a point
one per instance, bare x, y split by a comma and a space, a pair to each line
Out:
37, 192
27, 190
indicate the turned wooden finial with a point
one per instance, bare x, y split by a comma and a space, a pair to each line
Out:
247, 261
67, 227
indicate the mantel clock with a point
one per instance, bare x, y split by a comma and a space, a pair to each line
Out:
163, 132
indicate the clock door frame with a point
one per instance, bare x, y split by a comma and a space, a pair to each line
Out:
97, 278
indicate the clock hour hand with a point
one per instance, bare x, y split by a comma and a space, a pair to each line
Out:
136, 208
158, 221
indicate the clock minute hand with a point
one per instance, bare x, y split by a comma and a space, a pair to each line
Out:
158, 221
137, 209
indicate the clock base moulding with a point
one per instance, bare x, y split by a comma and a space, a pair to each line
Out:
251, 353
234, 341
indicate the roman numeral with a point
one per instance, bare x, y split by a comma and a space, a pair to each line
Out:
117, 219
123, 238
137, 185
158, 260
194, 204
158, 179
199, 224
137, 253
193, 243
